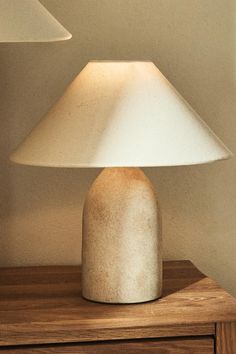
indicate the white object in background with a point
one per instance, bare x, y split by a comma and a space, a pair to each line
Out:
29, 21
121, 115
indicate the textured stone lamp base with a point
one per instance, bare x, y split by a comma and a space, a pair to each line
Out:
121, 251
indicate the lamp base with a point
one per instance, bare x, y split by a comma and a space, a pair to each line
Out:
122, 248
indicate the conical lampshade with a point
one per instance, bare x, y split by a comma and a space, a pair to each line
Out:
120, 114
29, 21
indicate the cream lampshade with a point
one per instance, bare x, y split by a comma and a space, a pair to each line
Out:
29, 21
122, 116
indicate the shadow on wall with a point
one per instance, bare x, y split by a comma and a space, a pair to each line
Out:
193, 45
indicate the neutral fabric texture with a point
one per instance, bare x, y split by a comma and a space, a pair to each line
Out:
120, 114
29, 21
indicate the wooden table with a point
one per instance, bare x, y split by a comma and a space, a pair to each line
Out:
42, 311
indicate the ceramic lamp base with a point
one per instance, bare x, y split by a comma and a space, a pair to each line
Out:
121, 250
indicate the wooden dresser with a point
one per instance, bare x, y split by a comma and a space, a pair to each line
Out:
42, 311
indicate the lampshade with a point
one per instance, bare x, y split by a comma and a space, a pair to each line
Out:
120, 114
28, 21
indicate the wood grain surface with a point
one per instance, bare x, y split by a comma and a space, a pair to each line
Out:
179, 346
44, 305
226, 338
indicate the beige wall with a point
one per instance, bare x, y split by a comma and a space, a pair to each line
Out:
193, 42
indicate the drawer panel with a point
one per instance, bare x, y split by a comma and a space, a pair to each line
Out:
176, 346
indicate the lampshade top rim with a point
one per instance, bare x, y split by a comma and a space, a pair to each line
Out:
120, 61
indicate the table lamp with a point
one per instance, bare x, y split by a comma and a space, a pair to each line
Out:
29, 21
121, 116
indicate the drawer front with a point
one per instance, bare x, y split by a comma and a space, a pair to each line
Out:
173, 346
